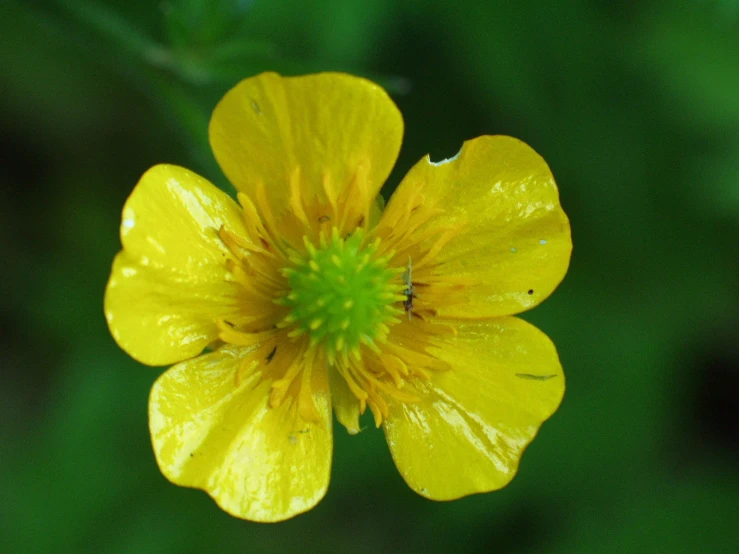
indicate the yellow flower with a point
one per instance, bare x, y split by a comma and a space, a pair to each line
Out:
309, 296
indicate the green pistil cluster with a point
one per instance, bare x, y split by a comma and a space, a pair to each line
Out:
341, 294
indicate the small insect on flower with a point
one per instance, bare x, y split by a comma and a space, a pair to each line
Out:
408, 291
286, 308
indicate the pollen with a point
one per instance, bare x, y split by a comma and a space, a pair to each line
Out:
336, 297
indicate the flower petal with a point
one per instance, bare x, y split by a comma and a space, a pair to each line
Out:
326, 124
346, 406
257, 462
467, 433
170, 282
510, 244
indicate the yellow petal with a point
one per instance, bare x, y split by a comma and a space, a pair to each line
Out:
512, 242
170, 282
467, 433
346, 405
326, 124
257, 462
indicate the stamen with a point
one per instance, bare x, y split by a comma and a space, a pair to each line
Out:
390, 390
296, 198
357, 391
395, 367
255, 287
337, 299
281, 386
232, 336
329, 190
378, 406
306, 403
268, 218
355, 200
252, 220
417, 360
437, 246
246, 368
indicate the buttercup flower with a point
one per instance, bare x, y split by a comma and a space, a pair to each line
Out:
308, 296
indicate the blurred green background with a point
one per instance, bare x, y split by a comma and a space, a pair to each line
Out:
634, 105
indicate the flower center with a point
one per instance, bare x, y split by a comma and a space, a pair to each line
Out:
341, 294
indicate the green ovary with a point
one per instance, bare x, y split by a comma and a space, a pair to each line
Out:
341, 294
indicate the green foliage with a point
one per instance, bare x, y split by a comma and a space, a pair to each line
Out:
636, 109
